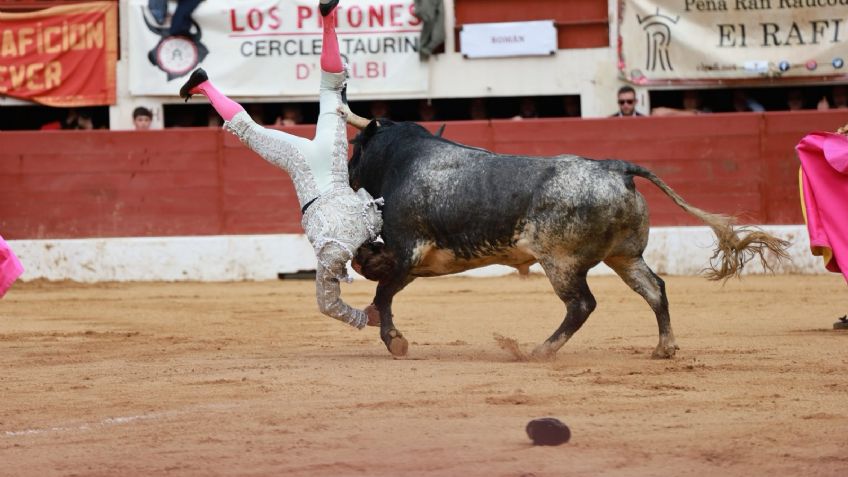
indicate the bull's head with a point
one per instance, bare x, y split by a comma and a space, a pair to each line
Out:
355, 167
374, 146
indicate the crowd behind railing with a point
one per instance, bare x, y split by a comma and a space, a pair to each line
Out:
663, 103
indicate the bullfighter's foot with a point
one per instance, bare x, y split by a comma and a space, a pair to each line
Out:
666, 351
397, 344
327, 6
842, 324
373, 315
190, 86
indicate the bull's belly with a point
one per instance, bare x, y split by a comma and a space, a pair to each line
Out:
430, 261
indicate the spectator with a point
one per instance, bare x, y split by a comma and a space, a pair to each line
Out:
142, 118
571, 104
743, 103
290, 116
213, 120
691, 106
839, 95
379, 109
78, 119
627, 102
795, 100
527, 109
478, 109
51, 126
256, 112
427, 110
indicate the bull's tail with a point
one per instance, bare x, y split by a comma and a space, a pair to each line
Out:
736, 245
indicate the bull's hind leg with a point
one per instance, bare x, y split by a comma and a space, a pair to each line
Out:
569, 282
638, 276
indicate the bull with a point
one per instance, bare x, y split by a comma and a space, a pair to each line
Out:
450, 208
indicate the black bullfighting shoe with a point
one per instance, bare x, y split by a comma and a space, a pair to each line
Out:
842, 324
327, 7
199, 76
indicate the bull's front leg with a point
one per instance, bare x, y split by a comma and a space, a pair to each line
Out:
397, 345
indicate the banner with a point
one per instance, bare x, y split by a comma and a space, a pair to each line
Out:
492, 40
273, 48
60, 56
668, 41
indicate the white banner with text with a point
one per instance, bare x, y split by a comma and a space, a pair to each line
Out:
273, 47
491, 40
663, 41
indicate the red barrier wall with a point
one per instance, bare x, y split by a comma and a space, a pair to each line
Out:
204, 182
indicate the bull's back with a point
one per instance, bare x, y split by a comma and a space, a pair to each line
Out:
462, 199
468, 208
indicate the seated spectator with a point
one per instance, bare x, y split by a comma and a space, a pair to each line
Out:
743, 103
691, 106
527, 109
427, 110
839, 97
213, 120
795, 100
51, 126
290, 116
380, 109
477, 109
256, 112
78, 119
626, 103
142, 118
571, 104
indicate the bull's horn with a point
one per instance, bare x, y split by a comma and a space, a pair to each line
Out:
352, 118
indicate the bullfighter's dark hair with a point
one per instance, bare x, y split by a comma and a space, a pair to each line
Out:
374, 261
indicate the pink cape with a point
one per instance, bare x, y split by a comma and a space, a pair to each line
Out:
10, 267
824, 196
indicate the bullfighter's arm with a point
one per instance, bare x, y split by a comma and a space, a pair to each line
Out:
331, 268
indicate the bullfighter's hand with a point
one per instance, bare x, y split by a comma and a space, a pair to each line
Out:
373, 315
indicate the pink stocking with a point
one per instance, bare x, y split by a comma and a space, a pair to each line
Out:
331, 60
225, 106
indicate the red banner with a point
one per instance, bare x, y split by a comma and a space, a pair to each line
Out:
60, 56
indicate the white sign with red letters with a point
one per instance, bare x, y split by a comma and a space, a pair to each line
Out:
273, 47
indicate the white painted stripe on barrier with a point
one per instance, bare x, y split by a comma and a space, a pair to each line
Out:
671, 251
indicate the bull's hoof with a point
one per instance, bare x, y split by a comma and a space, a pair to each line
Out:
373, 315
397, 344
665, 352
543, 351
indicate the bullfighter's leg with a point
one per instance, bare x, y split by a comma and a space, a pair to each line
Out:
329, 160
331, 266
638, 276
199, 83
569, 282
386, 291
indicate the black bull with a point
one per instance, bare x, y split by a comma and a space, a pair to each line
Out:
450, 208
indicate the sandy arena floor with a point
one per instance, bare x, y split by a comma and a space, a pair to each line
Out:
248, 379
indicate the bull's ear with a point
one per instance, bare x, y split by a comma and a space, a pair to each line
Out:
441, 130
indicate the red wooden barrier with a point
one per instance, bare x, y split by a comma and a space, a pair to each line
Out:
71, 184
